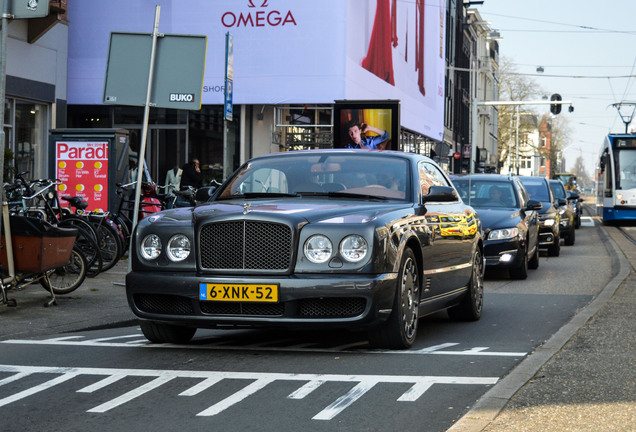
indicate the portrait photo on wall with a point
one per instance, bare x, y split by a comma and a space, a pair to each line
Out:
366, 125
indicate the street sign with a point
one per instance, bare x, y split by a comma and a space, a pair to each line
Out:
228, 100
28, 8
229, 75
178, 77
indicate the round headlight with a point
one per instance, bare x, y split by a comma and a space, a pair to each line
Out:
178, 247
353, 248
318, 249
150, 247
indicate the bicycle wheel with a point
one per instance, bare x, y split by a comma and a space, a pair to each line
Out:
109, 244
125, 230
69, 277
87, 242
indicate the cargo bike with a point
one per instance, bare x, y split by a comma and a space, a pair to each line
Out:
33, 250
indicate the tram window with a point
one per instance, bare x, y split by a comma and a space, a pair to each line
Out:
608, 176
626, 170
625, 143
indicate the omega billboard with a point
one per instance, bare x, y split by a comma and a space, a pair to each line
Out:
286, 51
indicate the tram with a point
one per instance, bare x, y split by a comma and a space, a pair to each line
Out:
616, 178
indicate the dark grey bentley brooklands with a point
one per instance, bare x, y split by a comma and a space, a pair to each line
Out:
355, 239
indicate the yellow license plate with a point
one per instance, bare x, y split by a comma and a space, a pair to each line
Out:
239, 292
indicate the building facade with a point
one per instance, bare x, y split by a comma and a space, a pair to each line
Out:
35, 87
290, 76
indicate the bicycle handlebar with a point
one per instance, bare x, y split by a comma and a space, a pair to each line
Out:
51, 183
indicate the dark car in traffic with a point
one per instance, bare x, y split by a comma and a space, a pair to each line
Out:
567, 214
549, 231
509, 219
351, 239
577, 205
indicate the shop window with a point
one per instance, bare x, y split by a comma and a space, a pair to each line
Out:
29, 138
89, 116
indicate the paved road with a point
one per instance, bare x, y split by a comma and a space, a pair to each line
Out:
268, 380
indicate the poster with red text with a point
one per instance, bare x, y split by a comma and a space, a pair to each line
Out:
82, 166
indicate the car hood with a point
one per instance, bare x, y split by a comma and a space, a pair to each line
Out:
498, 218
548, 207
297, 210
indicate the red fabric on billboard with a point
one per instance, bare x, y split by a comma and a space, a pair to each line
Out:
419, 45
379, 59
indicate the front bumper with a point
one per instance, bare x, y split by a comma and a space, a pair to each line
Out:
548, 235
311, 300
503, 253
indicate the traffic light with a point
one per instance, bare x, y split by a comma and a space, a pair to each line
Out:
555, 108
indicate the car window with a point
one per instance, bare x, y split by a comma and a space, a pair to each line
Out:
263, 180
322, 175
522, 193
487, 193
430, 176
537, 189
558, 189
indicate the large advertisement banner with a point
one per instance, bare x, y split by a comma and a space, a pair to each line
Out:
286, 51
82, 166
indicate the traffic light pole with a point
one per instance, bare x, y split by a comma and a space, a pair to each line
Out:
475, 121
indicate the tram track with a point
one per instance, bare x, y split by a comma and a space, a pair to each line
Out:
629, 236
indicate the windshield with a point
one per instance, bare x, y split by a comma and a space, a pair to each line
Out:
626, 169
558, 189
537, 189
319, 174
486, 193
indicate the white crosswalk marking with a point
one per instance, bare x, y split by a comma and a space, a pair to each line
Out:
273, 345
257, 381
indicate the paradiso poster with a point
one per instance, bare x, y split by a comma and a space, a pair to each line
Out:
82, 166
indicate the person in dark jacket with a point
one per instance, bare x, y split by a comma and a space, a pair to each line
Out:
191, 175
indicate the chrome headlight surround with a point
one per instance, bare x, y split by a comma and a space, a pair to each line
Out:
318, 249
503, 234
354, 248
178, 247
150, 247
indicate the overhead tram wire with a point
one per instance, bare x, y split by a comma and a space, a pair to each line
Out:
550, 75
584, 27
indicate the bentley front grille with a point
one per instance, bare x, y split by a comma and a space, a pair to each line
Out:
245, 245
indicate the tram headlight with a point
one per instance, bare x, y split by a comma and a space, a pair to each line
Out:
619, 196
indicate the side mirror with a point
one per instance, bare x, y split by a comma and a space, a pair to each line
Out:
204, 193
534, 205
440, 194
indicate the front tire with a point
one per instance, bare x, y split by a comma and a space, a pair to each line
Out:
571, 238
533, 264
555, 249
166, 333
472, 304
521, 272
400, 330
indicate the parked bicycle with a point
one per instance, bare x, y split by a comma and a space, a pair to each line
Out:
32, 250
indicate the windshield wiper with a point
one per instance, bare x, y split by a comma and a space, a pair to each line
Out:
344, 195
260, 195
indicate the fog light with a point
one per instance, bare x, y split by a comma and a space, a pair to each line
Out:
505, 258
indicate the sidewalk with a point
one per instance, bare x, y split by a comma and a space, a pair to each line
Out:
98, 302
583, 378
